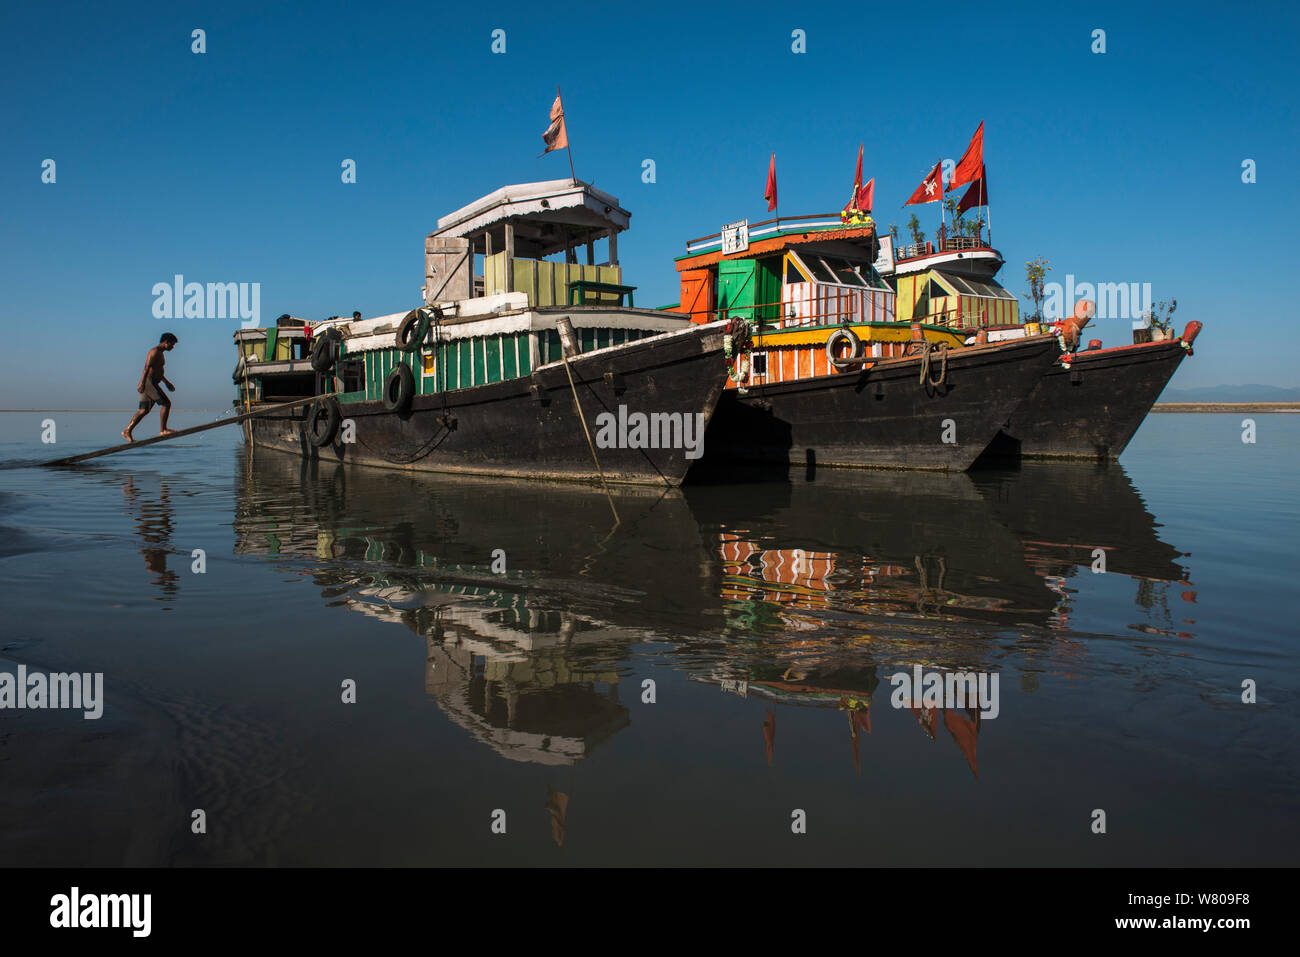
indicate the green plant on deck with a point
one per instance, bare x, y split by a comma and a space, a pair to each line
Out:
961, 224
1036, 271
914, 227
1161, 316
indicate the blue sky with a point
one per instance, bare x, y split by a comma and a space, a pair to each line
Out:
225, 167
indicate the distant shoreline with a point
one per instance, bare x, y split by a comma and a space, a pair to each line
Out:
1226, 407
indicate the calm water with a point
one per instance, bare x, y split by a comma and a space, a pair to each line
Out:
770, 617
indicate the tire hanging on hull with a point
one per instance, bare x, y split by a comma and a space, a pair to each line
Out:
323, 423
399, 388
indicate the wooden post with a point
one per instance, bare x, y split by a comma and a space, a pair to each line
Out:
510, 257
613, 247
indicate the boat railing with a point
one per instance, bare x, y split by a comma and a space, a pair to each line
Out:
768, 226
943, 244
843, 308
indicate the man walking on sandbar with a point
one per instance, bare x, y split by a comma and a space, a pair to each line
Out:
150, 388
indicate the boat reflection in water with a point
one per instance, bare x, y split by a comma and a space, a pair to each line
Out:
536, 606
1075, 517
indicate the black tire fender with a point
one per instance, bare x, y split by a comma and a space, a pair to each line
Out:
325, 350
323, 422
399, 388
411, 333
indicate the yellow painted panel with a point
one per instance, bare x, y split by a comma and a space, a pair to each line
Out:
895, 332
494, 273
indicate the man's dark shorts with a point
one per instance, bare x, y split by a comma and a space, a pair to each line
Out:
153, 395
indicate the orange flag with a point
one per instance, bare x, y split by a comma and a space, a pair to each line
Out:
556, 136
770, 194
971, 164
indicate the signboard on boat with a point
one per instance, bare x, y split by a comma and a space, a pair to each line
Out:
885, 258
735, 237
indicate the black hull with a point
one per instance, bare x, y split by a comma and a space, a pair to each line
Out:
1093, 409
882, 417
529, 427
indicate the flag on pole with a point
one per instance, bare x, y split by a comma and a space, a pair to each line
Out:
971, 165
931, 188
556, 136
770, 193
860, 202
977, 194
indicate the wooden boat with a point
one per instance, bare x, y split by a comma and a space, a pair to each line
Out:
1088, 404
478, 379
826, 374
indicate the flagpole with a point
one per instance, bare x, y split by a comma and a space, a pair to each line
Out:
988, 214
567, 147
941, 220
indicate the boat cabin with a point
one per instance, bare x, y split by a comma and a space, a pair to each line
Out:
950, 282
501, 271
806, 271
796, 280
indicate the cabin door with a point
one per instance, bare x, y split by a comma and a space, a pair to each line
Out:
737, 288
750, 288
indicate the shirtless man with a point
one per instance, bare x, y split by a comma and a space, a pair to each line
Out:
151, 393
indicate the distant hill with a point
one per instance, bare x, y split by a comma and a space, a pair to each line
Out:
1232, 393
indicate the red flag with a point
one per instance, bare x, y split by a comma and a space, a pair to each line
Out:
862, 197
971, 164
556, 136
770, 194
931, 188
977, 194
867, 195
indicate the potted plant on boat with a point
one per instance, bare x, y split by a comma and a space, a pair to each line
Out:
1036, 271
1160, 320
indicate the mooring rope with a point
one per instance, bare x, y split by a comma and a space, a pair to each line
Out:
926, 349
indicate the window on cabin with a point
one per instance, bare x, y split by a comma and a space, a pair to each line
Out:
792, 273
845, 272
989, 289
820, 271
353, 374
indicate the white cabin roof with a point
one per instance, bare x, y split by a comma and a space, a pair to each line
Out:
548, 217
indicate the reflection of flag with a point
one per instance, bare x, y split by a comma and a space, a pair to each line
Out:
556, 136
977, 194
971, 165
931, 188
770, 194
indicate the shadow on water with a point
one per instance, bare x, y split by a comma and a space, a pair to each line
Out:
804, 593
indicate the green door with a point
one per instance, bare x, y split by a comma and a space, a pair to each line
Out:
737, 287
768, 279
